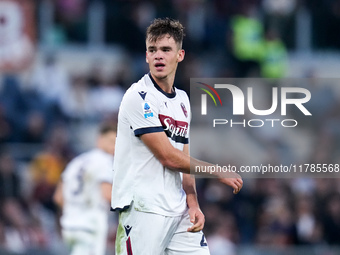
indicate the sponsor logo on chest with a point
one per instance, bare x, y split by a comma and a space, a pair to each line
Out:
173, 128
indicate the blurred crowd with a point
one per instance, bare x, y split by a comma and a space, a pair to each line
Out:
47, 114
224, 38
41, 131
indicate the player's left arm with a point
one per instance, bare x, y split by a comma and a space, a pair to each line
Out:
195, 213
106, 189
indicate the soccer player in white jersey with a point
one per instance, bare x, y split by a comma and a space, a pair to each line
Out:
152, 187
84, 194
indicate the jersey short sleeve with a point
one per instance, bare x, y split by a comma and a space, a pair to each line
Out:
141, 110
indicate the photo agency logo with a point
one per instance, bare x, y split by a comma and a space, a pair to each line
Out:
243, 105
204, 97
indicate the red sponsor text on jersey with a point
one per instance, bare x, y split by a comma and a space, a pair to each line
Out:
175, 127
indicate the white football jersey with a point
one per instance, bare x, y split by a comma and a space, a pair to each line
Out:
84, 205
138, 174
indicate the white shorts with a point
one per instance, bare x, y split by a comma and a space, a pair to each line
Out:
141, 233
85, 242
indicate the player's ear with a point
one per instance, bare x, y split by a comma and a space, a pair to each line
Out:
146, 57
180, 55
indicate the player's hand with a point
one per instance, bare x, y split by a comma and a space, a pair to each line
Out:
197, 218
234, 181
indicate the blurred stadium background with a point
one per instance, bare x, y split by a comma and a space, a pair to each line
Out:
65, 64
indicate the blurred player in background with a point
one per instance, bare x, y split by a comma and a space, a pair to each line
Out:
84, 194
159, 211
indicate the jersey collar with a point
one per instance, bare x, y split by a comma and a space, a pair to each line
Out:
169, 95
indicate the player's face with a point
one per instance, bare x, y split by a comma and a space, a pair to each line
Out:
163, 57
107, 142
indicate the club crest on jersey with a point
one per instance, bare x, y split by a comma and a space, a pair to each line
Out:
147, 110
184, 110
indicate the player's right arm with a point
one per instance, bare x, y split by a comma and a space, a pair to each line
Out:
141, 112
177, 160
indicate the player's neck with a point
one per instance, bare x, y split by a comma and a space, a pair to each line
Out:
166, 84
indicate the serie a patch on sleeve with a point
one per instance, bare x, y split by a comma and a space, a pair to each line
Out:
147, 110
